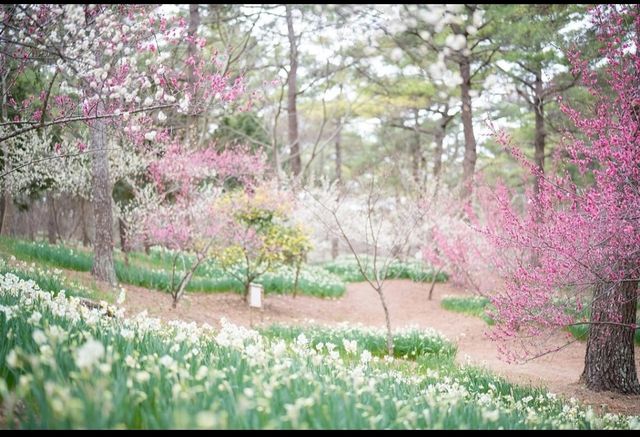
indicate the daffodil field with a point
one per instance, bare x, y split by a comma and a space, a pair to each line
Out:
63, 365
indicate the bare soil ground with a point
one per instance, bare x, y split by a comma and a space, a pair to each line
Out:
408, 306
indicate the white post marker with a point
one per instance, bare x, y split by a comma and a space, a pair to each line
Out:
255, 295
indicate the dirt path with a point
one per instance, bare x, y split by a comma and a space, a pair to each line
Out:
408, 305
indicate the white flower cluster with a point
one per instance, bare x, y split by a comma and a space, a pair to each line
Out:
117, 372
37, 156
373, 222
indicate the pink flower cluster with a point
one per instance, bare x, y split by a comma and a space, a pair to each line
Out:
581, 230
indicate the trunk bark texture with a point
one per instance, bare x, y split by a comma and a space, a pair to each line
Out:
610, 358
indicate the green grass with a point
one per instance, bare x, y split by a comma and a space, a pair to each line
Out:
348, 270
472, 305
52, 255
581, 331
68, 367
154, 271
409, 344
478, 306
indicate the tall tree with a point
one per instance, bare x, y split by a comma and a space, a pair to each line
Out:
292, 95
103, 267
582, 228
460, 36
533, 45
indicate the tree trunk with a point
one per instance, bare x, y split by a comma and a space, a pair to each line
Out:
147, 246
292, 112
51, 219
29, 217
84, 226
610, 358
103, 268
437, 155
415, 151
192, 32
338, 144
7, 202
297, 277
182, 287
101, 189
247, 289
433, 282
538, 108
469, 162
124, 245
387, 321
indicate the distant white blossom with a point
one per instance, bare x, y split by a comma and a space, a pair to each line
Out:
151, 135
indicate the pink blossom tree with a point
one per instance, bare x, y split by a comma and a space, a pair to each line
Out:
453, 244
107, 69
574, 252
178, 209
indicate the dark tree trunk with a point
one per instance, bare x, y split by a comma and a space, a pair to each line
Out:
416, 155
122, 230
469, 162
7, 202
103, 268
101, 189
7, 206
538, 108
84, 226
609, 362
124, 244
297, 277
440, 134
184, 282
292, 111
51, 219
1, 211
192, 31
32, 233
415, 151
247, 290
437, 155
433, 283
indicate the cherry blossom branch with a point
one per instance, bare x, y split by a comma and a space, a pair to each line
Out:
77, 118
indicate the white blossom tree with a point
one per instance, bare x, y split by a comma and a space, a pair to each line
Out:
376, 229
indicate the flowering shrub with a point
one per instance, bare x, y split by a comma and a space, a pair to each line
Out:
257, 234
